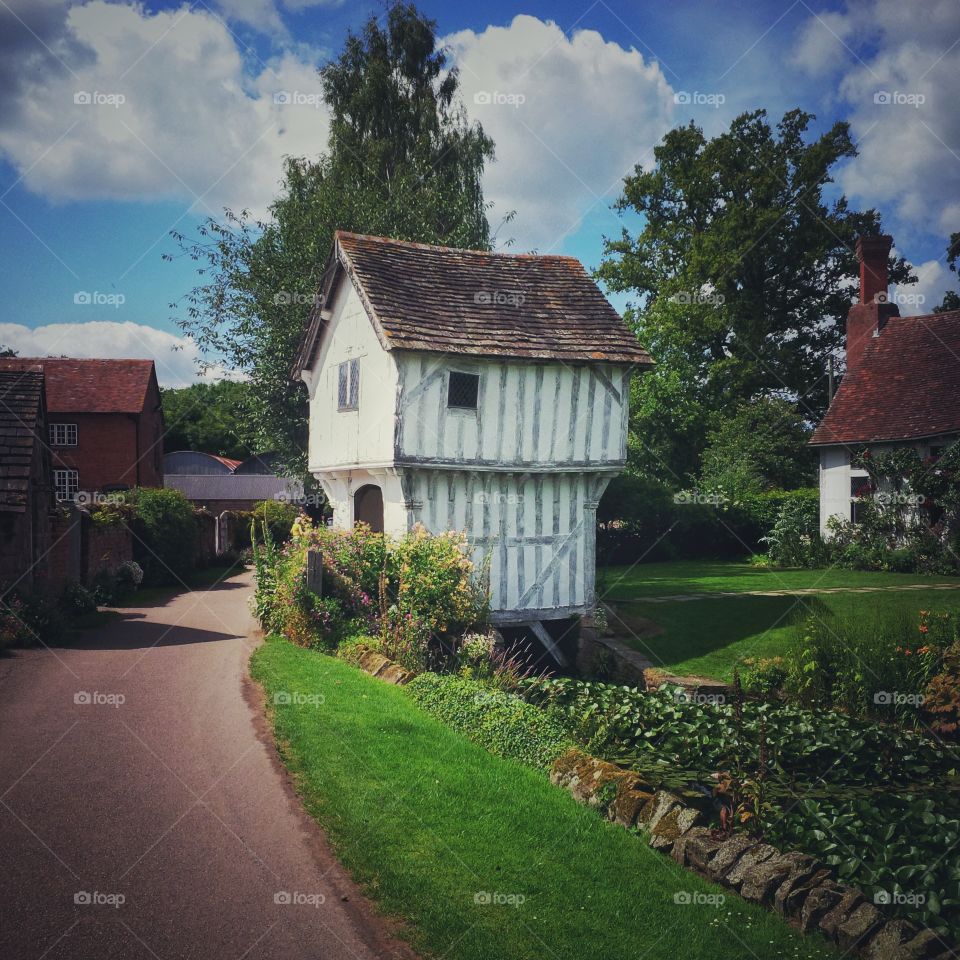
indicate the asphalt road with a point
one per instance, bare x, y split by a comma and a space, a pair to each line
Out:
143, 811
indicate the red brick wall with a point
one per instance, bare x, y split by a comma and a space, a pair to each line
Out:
63, 561
107, 448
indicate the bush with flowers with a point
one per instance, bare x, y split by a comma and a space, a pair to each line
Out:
414, 593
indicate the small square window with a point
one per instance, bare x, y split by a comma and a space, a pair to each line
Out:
463, 390
66, 483
348, 385
63, 434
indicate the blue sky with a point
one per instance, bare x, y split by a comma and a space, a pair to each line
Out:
186, 114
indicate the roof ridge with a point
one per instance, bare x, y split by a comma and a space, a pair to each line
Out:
418, 245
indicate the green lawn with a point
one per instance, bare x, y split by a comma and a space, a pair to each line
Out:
713, 576
708, 636
432, 825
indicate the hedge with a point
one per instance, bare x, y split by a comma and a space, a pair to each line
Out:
502, 723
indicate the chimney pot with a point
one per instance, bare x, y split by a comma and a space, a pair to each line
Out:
873, 252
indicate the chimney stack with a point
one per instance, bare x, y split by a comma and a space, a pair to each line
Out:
867, 318
872, 252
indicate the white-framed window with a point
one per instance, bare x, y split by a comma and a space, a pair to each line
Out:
63, 434
348, 385
66, 483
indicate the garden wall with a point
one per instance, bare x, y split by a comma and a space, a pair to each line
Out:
104, 547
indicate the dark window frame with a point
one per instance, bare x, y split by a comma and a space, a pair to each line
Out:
463, 390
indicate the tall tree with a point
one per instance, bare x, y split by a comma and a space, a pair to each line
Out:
210, 417
951, 299
402, 160
744, 274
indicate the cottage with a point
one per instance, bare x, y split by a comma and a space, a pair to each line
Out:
901, 388
474, 391
105, 426
26, 491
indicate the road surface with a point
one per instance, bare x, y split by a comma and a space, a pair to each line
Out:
143, 811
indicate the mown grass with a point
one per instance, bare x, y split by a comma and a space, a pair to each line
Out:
711, 576
707, 637
430, 823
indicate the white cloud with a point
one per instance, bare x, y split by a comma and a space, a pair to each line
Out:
900, 76
570, 116
176, 357
175, 112
934, 279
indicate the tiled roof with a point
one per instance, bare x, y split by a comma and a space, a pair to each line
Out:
446, 300
906, 386
90, 386
21, 406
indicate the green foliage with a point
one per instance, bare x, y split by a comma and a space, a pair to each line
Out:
402, 160
639, 518
409, 591
761, 446
210, 417
876, 668
29, 619
499, 721
826, 782
794, 539
743, 273
762, 676
278, 515
165, 534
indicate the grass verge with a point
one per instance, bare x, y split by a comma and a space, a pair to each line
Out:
433, 825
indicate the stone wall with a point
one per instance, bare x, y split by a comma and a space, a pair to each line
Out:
104, 548
797, 886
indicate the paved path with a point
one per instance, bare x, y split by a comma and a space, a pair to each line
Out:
800, 592
172, 800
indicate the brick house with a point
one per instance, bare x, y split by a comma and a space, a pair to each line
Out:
105, 423
26, 490
901, 388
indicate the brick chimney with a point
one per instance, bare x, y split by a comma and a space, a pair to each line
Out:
867, 318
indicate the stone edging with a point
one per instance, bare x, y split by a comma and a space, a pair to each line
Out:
800, 888
381, 667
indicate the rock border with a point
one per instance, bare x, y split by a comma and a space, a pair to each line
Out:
381, 667
798, 887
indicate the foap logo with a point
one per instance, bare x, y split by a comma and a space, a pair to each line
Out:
294, 898
694, 898
507, 499
87, 698
95, 898
285, 698
893, 698
94, 298
900, 298
288, 298
899, 898
689, 497
84, 98
899, 499
297, 98
500, 298
698, 99
497, 98
682, 695
85, 498
493, 898
698, 297
898, 98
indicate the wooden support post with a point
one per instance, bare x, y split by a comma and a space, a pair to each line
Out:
543, 635
315, 572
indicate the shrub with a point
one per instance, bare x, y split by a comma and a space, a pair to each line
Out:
763, 676
794, 539
165, 534
77, 599
129, 576
279, 516
29, 619
501, 722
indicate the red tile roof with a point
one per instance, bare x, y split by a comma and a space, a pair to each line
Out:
447, 300
906, 387
90, 386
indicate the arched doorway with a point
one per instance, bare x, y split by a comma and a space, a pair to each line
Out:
368, 507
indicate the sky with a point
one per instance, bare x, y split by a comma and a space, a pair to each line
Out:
121, 122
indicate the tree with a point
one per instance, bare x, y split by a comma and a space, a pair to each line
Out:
210, 417
743, 271
951, 299
761, 446
401, 161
